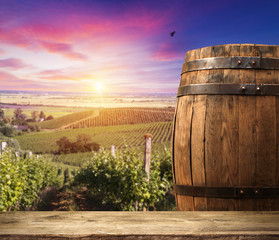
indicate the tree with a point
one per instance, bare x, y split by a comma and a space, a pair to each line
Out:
82, 144
34, 115
7, 119
50, 117
42, 115
64, 145
1, 113
17, 113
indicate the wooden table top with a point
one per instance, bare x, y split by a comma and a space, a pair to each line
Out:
139, 225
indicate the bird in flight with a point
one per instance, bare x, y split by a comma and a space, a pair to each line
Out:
172, 33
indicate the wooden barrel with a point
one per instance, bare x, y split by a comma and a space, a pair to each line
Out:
225, 142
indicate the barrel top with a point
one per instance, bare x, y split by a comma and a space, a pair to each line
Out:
228, 50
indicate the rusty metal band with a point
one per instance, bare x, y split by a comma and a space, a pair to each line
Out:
228, 89
226, 192
231, 63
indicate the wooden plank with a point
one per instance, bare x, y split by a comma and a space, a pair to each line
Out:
189, 77
182, 151
140, 225
221, 134
247, 132
276, 204
266, 132
197, 149
198, 135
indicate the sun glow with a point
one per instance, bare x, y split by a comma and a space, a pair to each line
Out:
98, 87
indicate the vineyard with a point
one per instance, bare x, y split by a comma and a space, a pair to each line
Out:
75, 160
120, 136
67, 120
110, 117
22, 179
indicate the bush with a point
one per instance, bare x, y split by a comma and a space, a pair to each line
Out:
121, 180
8, 131
22, 179
13, 143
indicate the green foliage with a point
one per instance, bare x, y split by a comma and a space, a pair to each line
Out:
22, 179
65, 120
121, 180
8, 131
13, 143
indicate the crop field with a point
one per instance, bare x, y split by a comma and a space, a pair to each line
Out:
67, 120
120, 136
109, 117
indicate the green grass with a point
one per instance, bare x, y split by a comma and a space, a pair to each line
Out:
131, 135
65, 120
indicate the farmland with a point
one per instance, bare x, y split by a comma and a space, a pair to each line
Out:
67, 120
120, 136
109, 117
125, 129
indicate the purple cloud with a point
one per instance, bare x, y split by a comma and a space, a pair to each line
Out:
12, 63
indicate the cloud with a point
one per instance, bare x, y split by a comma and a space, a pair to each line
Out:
60, 77
33, 41
50, 72
63, 49
10, 81
12, 63
2, 51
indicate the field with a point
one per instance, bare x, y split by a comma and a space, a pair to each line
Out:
131, 135
125, 129
67, 120
55, 111
109, 117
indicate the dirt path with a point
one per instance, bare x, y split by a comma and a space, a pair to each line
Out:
67, 200
73, 200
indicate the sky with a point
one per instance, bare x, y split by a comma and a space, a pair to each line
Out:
120, 46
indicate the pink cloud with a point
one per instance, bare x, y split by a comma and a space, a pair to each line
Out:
60, 77
10, 81
12, 63
58, 33
63, 49
2, 51
24, 39
50, 72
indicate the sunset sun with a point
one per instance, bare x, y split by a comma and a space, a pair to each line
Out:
98, 87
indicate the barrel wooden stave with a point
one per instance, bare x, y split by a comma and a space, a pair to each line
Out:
227, 140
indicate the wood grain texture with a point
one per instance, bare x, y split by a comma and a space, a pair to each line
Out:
236, 136
183, 173
140, 225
